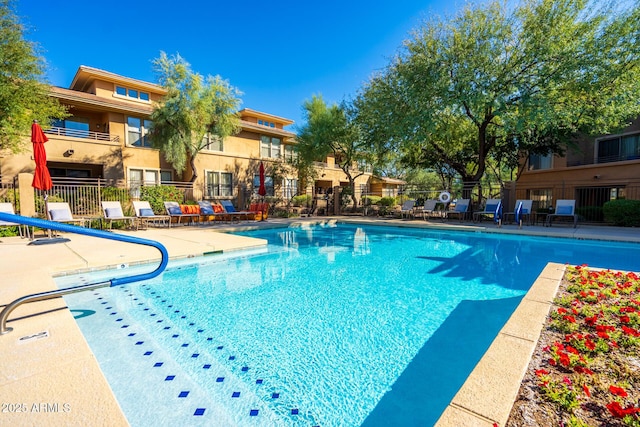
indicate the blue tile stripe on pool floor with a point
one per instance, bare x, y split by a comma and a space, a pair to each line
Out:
292, 411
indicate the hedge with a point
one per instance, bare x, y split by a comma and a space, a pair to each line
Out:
622, 212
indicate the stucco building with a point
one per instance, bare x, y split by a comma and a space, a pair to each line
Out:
106, 137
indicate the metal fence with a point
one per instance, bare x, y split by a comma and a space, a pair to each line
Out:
85, 195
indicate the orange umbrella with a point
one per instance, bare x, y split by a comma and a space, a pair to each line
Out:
41, 177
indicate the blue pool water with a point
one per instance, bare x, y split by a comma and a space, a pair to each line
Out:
332, 326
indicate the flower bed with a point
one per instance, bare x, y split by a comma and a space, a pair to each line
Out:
586, 368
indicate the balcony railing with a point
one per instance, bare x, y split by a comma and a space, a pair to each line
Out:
603, 159
84, 134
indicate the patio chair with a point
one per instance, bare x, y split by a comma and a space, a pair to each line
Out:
407, 208
564, 209
145, 214
113, 212
7, 207
208, 212
460, 209
492, 209
429, 208
61, 212
231, 210
522, 211
175, 211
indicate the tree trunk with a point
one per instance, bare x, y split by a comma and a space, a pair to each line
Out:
194, 171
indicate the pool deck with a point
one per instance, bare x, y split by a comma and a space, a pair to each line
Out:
48, 375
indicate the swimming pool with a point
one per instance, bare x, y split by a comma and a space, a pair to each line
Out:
343, 325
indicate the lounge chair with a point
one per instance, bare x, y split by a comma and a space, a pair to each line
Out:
146, 215
564, 209
61, 212
429, 208
208, 212
113, 212
460, 210
7, 207
407, 208
174, 211
492, 208
231, 210
521, 211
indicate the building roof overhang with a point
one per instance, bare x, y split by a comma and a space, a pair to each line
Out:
86, 75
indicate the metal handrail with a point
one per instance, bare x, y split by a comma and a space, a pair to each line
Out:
51, 225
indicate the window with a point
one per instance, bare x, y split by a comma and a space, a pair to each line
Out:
219, 184
542, 199
539, 161
132, 93
138, 132
165, 176
212, 142
619, 148
148, 177
268, 185
269, 147
77, 127
266, 123
290, 153
290, 188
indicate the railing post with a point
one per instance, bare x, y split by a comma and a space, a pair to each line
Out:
34, 222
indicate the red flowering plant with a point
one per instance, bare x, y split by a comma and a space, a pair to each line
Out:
590, 366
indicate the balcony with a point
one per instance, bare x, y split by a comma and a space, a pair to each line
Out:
82, 134
603, 159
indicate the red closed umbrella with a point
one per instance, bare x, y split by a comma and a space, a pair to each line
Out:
41, 177
262, 189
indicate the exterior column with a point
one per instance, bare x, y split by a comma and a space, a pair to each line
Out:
27, 195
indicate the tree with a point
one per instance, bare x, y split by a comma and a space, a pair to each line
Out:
192, 107
24, 97
495, 82
331, 130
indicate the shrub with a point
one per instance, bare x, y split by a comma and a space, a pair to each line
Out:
156, 196
388, 201
622, 212
301, 200
371, 200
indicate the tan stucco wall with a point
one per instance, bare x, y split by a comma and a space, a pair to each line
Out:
564, 181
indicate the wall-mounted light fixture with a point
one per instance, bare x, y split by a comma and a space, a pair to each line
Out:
68, 153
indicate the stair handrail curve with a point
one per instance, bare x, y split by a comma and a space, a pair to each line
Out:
68, 228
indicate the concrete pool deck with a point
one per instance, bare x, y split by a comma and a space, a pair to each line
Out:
48, 375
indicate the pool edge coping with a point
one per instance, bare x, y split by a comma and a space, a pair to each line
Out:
489, 392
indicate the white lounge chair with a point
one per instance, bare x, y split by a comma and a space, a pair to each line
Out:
61, 212
145, 214
565, 208
174, 211
207, 212
429, 208
7, 207
460, 209
233, 212
407, 208
491, 209
113, 212
521, 210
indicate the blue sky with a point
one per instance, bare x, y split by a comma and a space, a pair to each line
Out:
277, 53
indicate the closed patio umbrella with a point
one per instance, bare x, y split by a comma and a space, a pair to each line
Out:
41, 176
262, 189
